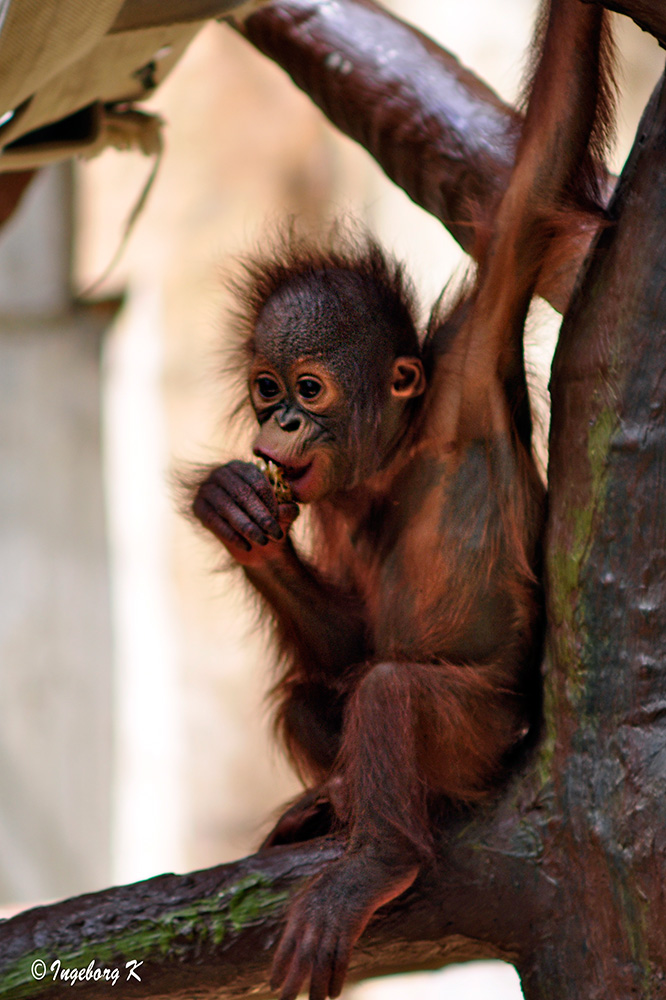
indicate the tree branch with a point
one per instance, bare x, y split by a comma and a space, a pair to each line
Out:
211, 934
436, 129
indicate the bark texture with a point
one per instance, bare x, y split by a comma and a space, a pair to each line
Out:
606, 579
435, 129
212, 933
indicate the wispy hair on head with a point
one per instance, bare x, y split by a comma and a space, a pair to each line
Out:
293, 256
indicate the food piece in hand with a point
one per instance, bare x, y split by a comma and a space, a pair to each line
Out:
275, 475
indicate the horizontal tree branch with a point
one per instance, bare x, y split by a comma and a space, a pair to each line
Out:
211, 934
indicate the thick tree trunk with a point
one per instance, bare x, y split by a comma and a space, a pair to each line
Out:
564, 873
605, 751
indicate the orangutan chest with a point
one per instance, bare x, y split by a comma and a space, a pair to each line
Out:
428, 595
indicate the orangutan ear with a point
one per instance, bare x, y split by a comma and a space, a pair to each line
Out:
407, 378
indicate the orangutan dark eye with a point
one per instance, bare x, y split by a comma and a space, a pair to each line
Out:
309, 388
267, 387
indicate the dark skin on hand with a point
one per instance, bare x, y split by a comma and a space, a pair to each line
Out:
409, 635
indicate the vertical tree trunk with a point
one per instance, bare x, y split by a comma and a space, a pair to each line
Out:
606, 603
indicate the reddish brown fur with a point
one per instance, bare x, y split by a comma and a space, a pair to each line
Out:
409, 639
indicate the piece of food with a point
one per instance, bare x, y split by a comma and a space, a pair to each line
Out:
275, 476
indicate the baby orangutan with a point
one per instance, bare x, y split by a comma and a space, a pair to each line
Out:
409, 635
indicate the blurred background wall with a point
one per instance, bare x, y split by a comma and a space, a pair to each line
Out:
135, 737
